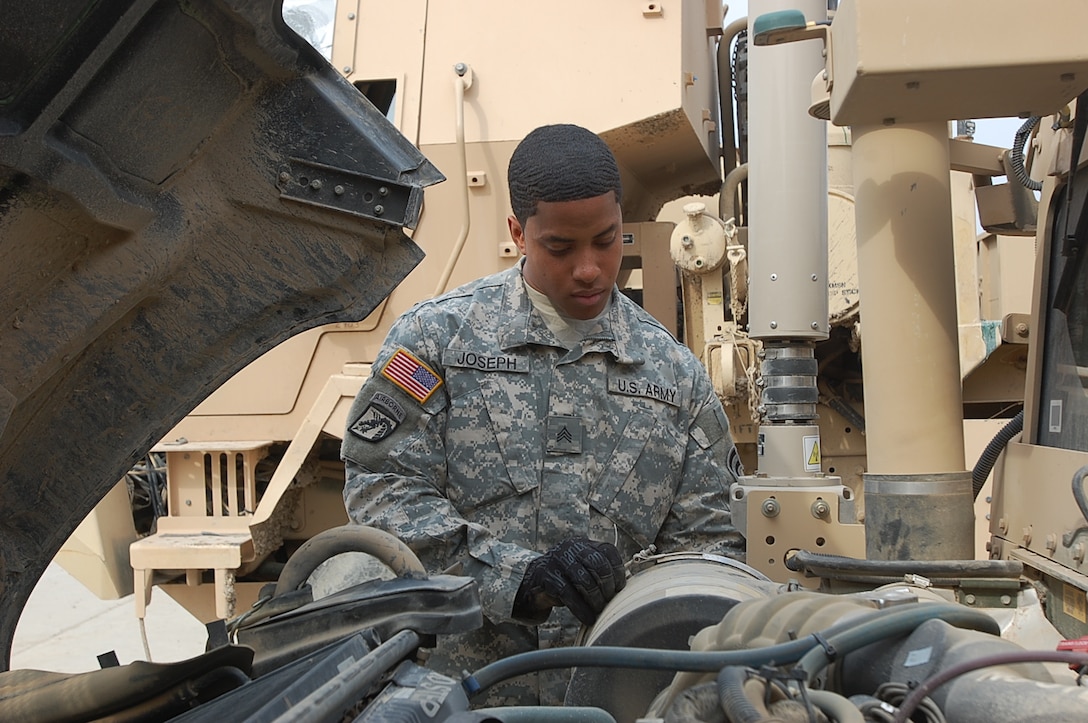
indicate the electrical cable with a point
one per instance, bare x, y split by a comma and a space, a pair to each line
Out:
988, 458
1018, 656
1016, 155
1078, 490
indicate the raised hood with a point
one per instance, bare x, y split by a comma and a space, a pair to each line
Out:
183, 185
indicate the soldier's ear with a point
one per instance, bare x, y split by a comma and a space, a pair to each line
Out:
517, 233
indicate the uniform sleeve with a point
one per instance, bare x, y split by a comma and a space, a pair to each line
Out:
395, 477
699, 518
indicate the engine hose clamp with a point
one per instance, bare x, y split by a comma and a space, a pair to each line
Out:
829, 649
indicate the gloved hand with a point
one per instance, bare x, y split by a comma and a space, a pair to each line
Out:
581, 574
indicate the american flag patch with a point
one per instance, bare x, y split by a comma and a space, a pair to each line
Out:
411, 375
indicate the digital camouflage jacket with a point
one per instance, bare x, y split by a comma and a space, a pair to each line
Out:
480, 442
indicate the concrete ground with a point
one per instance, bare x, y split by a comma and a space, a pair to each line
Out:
64, 627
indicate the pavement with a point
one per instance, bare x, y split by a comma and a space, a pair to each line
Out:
64, 627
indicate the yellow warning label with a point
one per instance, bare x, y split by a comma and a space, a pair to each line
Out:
1073, 603
812, 453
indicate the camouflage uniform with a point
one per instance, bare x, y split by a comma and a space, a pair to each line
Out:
479, 440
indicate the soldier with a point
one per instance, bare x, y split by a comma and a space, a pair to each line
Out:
536, 428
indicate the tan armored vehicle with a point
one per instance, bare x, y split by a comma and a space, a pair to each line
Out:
205, 232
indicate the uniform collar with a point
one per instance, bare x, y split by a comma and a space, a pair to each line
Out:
520, 324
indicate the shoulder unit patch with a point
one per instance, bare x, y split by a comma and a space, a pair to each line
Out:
379, 419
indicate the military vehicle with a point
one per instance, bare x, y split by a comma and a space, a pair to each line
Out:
202, 225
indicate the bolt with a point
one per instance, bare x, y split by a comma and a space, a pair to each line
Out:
774, 277
820, 509
285, 177
969, 599
338, 190
351, 16
774, 325
814, 277
989, 545
315, 184
1027, 536
1052, 542
188, 503
699, 262
686, 242
460, 69
1022, 329
1006, 600
815, 325
1003, 525
1078, 552
383, 191
770, 508
379, 210
347, 70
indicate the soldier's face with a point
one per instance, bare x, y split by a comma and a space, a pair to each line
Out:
572, 252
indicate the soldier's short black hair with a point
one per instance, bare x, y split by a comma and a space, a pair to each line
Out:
560, 162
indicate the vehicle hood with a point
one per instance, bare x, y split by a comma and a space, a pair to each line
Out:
182, 187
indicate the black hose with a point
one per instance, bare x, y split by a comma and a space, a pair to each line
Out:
608, 656
1016, 155
988, 458
737, 707
828, 565
347, 538
1078, 491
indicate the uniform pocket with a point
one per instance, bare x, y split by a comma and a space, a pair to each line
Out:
635, 490
485, 446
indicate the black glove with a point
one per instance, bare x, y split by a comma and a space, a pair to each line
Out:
578, 573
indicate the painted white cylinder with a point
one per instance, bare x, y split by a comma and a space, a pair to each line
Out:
787, 185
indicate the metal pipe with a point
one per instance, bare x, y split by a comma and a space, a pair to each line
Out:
725, 100
906, 275
462, 82
787, 187
727, 200
910, 344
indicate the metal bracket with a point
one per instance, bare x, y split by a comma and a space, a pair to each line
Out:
377, 199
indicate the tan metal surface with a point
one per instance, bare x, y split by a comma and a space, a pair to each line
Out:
808, 518
1033, 507
906, 273
97, 552
932, 59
